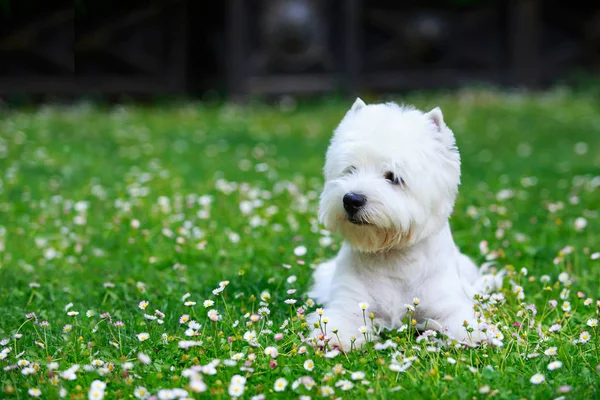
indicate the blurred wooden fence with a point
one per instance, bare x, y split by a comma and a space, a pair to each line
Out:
290, 46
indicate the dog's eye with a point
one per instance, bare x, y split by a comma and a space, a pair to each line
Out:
393, 179
350, 170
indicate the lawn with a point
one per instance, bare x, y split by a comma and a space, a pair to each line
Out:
149, 248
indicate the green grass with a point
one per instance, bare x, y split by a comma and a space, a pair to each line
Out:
530, 169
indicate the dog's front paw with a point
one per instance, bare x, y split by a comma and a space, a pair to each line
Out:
338, 329
317, 338
331, 341
337, 343
473, 339
467, 332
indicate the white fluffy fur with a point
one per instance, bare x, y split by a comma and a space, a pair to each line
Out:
406, 249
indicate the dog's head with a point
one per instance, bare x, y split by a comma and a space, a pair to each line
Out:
391, 176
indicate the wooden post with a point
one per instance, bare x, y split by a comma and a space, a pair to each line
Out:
177, 72
351, 39
524, 34
235, 48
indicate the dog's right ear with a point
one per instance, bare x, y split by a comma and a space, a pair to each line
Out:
358, 104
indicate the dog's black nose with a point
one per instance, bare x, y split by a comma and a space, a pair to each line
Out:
353, 202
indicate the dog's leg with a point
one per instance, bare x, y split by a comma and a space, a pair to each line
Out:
453, 308
322, 278
467, 270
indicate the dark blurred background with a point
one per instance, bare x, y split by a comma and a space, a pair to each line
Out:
237, 48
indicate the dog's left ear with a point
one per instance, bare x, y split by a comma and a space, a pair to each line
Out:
445, 134
436, 117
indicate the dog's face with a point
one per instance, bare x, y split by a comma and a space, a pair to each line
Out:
391, 176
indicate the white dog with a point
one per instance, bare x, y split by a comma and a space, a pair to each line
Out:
391, 178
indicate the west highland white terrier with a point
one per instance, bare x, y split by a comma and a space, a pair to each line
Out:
391, 178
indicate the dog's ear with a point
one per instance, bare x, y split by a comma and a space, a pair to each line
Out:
358, 104
436, 117
443, 134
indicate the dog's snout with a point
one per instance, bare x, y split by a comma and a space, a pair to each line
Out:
353, 202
